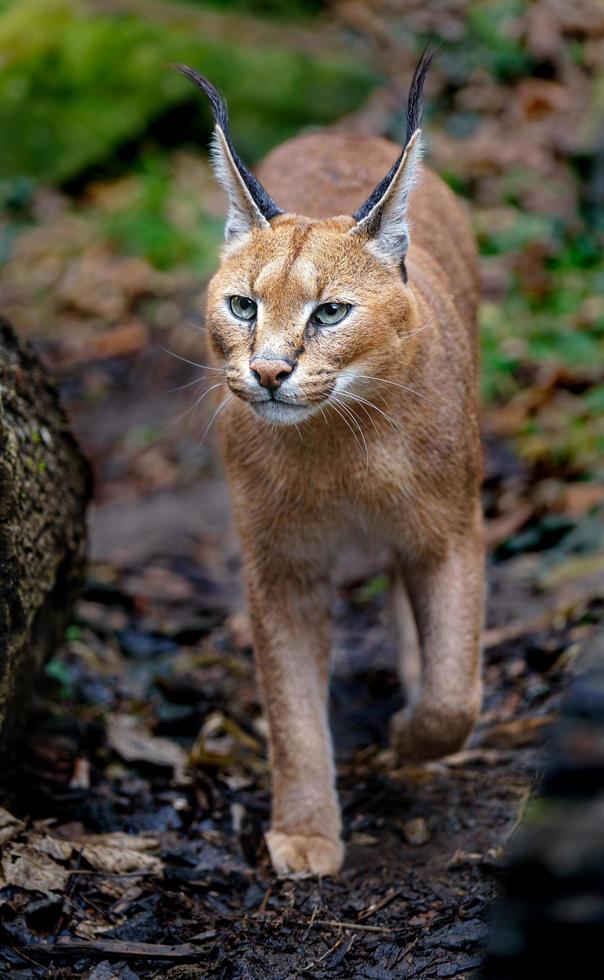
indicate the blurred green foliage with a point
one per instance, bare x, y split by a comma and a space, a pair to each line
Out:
561, 328
145, 224
86, 82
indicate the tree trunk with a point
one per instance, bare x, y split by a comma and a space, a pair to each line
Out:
44, 487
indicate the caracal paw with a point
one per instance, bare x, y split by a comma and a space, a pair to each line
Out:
301, 854
416, 736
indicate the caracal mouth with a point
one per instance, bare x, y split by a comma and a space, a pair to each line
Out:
282, 412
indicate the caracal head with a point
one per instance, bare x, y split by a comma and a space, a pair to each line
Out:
305, 313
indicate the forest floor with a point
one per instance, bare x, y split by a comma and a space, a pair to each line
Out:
135, 810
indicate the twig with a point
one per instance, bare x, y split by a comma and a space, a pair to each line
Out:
68, 897
112, 948
19, 952
408, 948
336, 924
264, 902
380, 905
115, 874
313, 963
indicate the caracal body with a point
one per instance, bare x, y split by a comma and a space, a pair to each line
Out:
368, 425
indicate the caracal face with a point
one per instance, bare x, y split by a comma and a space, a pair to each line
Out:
314, 300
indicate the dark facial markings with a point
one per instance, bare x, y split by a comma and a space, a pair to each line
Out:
299, 240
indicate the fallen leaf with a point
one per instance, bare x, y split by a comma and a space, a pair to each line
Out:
133, 743
485, 757
518, 732
222, 742
114, 852
120, 859
26, 867
60, 850
9, 826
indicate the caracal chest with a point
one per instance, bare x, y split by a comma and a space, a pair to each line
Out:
361, 492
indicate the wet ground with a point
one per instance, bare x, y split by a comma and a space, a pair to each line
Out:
147, 724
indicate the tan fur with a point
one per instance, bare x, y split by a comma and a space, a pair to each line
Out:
398, 457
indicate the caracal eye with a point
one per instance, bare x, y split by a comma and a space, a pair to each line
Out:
242, 307
329, 314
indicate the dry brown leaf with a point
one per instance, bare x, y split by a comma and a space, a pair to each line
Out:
486, 757
120, 860
222, 743
9, 826
26, 867
133, 743
60, 850
115, 853
88, 929
118, 839
518, 732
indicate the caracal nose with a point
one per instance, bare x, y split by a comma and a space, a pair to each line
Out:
271, 372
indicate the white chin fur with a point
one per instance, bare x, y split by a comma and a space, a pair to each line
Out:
282, 414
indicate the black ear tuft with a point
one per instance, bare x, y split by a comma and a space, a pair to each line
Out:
414, 117
219, 106
415, 99
263, 201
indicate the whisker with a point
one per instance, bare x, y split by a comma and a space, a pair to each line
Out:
218, 411
334, 404
201, 327
427, 323
195, 381
206, 367
365, 401
197, 402
351, 414
362, 434
397, 384
359, 401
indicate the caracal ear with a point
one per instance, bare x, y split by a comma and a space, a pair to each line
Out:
249, 204
383, 218
386, 224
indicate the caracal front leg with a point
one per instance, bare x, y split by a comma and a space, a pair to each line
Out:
447, 598
290, 612
409, 655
